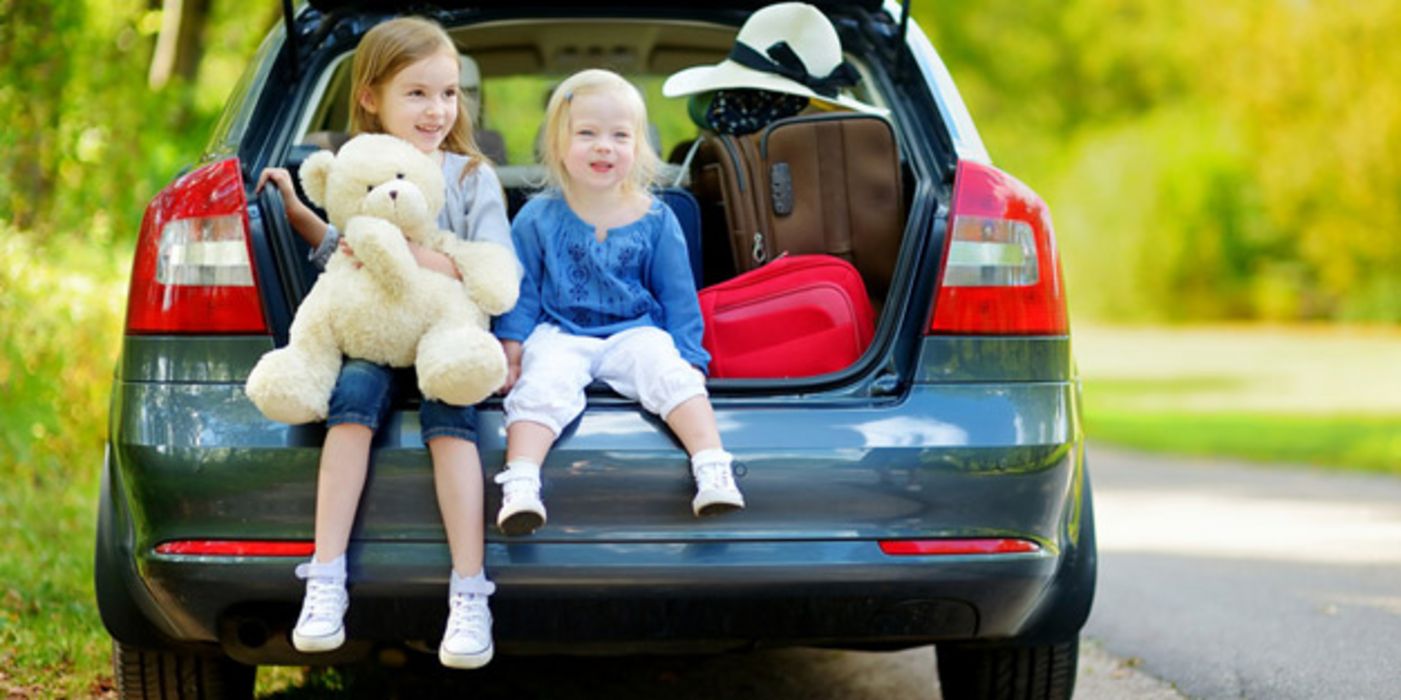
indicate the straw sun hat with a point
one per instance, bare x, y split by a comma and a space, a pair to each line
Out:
789, 48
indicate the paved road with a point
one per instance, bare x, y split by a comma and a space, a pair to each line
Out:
788, 674
1238, 581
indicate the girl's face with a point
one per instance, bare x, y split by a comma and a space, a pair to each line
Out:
602, 141
419, 103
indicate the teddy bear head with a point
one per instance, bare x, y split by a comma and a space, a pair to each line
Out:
376, 175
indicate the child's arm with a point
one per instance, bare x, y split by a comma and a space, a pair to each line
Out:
304, 221
517, 324
514, 349
430, 259
675, 289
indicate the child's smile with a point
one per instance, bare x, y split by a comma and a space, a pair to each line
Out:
419, 104
602, 142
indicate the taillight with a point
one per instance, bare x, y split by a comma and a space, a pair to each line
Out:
1001, 273
193, 270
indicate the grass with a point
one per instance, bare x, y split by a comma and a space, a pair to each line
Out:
1323, 396
61, 310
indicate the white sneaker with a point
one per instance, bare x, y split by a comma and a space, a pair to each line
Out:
321, 626
716, 492
467, 640
522, 512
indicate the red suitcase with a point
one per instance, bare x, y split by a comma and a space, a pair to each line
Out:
797, 316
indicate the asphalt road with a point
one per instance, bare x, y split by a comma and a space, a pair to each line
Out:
1216, 580
1239, 581
787, 674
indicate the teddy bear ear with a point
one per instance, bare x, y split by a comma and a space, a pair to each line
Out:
314, 172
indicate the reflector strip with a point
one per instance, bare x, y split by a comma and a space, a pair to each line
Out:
237, 548
204, 251
951, 547
987, 252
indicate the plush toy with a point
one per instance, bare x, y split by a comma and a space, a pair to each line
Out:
378, 304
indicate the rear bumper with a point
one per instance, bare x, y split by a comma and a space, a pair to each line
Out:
569, 597
622, 565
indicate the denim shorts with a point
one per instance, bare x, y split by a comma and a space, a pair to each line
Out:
364, 392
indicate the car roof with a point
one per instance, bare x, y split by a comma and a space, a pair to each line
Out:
328, 5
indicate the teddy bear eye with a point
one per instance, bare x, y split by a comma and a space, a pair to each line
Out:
399, 175
369, 188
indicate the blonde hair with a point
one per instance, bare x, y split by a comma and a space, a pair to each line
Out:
389, 48
555, 137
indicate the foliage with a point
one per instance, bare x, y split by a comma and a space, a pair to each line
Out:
60, 308
86, 145
1204, 160
86, 126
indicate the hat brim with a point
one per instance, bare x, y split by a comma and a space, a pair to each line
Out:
728, 75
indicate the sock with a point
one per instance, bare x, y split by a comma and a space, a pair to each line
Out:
477, 584
521, 465
526, 465
714, 455
334, 569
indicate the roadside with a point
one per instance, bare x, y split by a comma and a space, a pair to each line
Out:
1323, 395
1238, 580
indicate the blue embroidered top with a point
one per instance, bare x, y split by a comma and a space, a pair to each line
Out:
640, 275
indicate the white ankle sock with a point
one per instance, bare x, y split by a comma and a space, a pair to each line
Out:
334, 569
523, 465
714, 455
471, 584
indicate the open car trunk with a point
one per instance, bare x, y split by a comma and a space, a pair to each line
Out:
617, 474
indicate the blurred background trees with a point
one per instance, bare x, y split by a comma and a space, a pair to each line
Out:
1230, 160
1204, 161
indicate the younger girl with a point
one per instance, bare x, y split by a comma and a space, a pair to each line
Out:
607, 294
404, 83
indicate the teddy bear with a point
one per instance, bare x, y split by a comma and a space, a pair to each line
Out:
378, 304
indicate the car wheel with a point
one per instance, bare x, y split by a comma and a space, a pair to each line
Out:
1010, 672
163, 675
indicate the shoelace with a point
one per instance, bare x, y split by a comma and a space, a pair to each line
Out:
518, 486
715, 477
468, 615
324, 601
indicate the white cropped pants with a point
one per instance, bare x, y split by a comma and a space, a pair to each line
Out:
642, 364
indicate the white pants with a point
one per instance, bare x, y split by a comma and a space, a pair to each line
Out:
639, 363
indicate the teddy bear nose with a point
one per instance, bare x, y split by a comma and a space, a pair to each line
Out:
394, 194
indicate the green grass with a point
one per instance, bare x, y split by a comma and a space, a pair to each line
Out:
1361, 442
1322, 396
61, 309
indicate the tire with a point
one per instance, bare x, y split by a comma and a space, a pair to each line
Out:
169, 675
1021, 672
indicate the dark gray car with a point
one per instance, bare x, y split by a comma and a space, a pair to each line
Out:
933, 492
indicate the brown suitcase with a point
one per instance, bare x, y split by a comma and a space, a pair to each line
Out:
827, 183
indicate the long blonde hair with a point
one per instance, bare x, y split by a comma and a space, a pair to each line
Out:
645, 163
389, 48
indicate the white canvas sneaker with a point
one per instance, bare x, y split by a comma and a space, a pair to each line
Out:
321, 626
716, 492
467, 640
522, 512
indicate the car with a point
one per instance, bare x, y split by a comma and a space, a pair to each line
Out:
934, 491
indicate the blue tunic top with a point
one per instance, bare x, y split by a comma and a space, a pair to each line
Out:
639, 275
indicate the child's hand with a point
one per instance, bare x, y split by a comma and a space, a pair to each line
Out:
433, 260
305, 221
344, 249
280, 177
513, 364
